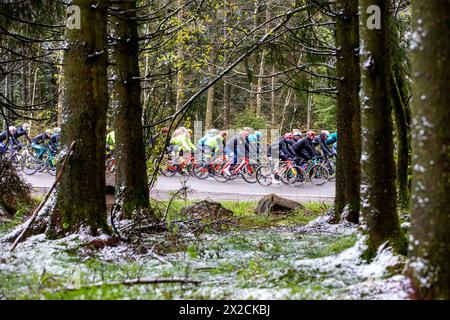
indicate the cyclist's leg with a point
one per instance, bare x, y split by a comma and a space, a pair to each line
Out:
3, 148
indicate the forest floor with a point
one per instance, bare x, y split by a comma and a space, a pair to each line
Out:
299, 256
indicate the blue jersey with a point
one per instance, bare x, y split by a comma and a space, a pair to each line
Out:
332, 138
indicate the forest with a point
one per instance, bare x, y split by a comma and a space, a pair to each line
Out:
188, 149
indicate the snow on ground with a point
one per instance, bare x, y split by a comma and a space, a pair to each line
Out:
274, 255
375, 279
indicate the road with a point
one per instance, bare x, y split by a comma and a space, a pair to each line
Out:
236, 190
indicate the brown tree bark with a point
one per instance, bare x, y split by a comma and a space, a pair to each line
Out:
399, 101
348, 112
378, 192
429, 245
400, 105
210, 95
131, 176
81, 192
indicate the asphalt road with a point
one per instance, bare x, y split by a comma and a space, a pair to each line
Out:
236, 190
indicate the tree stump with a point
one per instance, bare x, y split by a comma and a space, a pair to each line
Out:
273, 204
206, 209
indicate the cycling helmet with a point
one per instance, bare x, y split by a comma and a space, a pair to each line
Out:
297, 133
325, 133
288, 135
49, 131
212, 131
57, 130
310, 134
258, 134
178, 132
12, 129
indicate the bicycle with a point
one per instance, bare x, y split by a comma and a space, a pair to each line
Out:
110, 161
168, 168
46, 161
244, 169
266, 173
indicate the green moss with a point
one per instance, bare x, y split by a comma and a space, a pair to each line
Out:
335, 247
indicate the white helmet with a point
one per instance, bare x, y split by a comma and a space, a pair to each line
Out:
12, 129
57, 130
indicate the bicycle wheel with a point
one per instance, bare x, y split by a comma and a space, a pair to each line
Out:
263, 175
51, 168
331, 167
248, 173
168, 169
294, 176
200, 171
30, 165
318, 175
217, 171
14, 157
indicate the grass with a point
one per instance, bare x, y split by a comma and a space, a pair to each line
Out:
256, 255
243, 211
252, 260
23, 211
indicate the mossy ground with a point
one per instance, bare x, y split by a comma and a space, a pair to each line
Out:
256, 260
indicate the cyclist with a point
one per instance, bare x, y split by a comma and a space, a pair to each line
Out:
110, 141
304, 149
213, 144
237, 146
297, 134
320, 140
212, 147
54, 139
285, 147
285, 153
332, 139
36, 142
7, 137
255, 145
201, 142
209, 134
23, 131
182, 140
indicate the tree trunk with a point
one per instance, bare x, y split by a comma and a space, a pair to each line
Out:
180, 65
226, 86
308, 110
399, 100
131, 175
272, 98
26, 82
379, 207
348, 112
81, 192
226, 104
429, 246
210, 98
259, 88
60, 95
